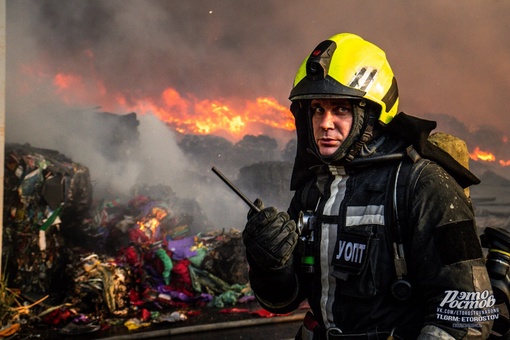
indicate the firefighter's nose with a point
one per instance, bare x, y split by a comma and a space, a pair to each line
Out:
327, 121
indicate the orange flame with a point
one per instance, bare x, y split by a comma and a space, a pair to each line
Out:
232, 118
65, 81
185, 113
486, 156
150, 224
206, 116
72, 88
478, 154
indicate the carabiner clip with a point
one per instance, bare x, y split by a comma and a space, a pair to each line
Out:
333, 331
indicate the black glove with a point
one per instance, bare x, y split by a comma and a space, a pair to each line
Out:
269, 236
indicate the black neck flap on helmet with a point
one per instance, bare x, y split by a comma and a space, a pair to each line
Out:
307, 153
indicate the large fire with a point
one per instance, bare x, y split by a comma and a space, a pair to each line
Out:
188, 114
185, 113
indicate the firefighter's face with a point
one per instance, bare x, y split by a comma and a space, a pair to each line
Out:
332, 122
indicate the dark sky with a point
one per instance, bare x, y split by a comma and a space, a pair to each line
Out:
449, 57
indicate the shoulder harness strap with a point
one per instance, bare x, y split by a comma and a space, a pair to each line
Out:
310, 195
396, 221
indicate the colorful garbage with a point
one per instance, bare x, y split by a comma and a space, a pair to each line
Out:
82, 264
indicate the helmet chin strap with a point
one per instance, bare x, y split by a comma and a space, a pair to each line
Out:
366, 136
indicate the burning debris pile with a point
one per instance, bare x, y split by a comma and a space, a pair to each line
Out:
83, 264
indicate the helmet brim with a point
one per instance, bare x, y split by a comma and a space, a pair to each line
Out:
324, 88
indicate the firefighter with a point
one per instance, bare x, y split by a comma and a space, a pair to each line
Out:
380, 237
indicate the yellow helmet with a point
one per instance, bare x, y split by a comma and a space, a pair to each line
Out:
347, 66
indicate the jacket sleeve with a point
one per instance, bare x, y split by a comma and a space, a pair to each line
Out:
279, 290
446, 259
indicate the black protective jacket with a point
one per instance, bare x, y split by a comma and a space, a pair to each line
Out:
354, 269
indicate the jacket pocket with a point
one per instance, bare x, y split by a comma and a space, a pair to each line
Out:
366, 280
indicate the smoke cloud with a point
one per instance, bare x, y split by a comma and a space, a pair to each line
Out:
449, 58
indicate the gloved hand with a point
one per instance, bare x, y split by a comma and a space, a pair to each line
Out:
269, 236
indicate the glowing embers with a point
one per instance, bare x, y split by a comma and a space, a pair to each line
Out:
150, 224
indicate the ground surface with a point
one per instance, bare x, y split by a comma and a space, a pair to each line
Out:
244, 321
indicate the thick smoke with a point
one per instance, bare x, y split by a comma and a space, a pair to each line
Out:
448, 59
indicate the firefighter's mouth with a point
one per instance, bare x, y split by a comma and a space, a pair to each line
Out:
328, 141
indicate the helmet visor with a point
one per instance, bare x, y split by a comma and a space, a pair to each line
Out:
323, 88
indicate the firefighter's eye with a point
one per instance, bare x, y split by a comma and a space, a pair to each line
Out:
317, 110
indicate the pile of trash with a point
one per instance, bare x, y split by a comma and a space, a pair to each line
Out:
43, 190
150, 277
79, 266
